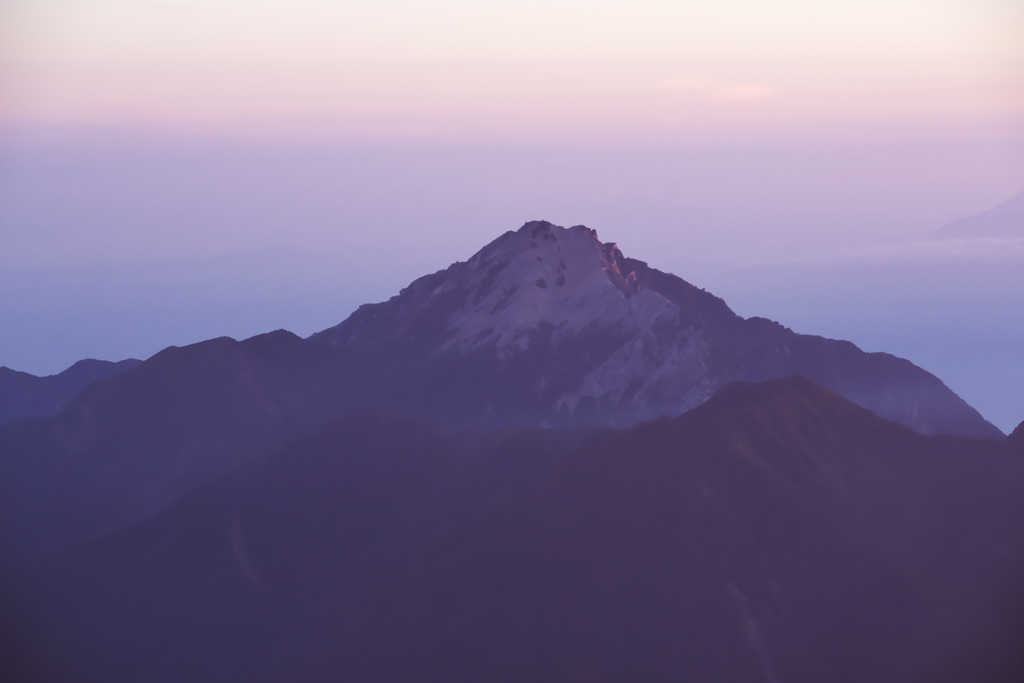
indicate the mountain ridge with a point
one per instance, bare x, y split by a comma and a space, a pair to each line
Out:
479, 345
776, 531
24, 395
1004, 221
619, 339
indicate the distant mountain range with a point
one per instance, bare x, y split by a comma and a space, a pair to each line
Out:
24, 395
549, 462
776, 532
1004, 221
543, 327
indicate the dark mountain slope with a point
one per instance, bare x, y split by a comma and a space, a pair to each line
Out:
777, 532
246, 578
1015, 441
756, 349
126, 446
23, 395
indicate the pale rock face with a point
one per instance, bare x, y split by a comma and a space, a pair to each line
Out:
568, 279
547, 274
671, 373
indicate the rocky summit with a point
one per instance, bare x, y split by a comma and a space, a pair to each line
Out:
562, 329
549, 285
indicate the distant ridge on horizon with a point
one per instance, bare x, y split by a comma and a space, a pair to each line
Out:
26, 395
1005, 221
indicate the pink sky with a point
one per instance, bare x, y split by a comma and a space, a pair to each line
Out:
524, 72
175, 170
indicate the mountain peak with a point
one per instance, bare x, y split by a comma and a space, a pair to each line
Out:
544, 274
548, 325
1005, 221
1016, 438
545, 289
535, 228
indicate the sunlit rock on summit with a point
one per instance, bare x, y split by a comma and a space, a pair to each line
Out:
569, 284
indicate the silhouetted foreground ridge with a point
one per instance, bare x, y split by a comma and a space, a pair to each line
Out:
23, 395
776, 532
